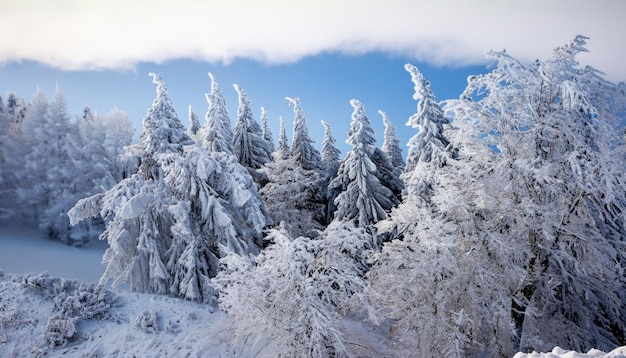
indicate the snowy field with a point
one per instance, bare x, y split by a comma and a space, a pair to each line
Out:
34, 311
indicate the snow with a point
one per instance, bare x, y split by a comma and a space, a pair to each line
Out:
562, 353
141, 325
135, 206
27, 250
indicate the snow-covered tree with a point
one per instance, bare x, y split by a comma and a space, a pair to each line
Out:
362, 198
194, 123
119, 134
16, 109
302, 150
275, 304
283, 151
97, 174
429, 146
443, 286
330, 165
342, 254
249, 146
556, 189
294, 195
13, 149
391, 145
330, 153
217, 132
267, 132
170, 222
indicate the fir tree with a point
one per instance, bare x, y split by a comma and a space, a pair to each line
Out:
428, 148
362, 199
218, 135
249, 146
194, 123
302, 150
283, 151
391, 145
330, 165
267, 132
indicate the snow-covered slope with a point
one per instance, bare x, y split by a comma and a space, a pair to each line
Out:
43, 315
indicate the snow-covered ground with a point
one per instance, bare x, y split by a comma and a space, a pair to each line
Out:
27, 250
36, 309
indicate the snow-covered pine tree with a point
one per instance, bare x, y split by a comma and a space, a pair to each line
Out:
32, 181
429, 147
216, 131
5, 147
119, 134
194, 124
267, 132
283, 150
391, 145
362, 198
249, 146
302, 150
330, 164
97, 174
170, 222
13, 149
16, 108
5, 122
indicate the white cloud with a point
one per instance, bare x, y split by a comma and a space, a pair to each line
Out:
74, 34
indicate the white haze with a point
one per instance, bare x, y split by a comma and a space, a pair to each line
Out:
118, 34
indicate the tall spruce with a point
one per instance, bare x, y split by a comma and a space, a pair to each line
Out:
362, 198
217, 132
249, 146
302, 150
267, 132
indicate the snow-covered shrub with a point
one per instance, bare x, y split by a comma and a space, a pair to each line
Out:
341, 263
274, 301
59, 331
72, 301
148, 322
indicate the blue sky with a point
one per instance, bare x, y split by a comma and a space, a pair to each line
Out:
324, 84
324, 52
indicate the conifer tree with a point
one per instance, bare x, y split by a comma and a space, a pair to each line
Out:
362, 198
283, 151
330, 164
267, 132
302, 150
391, 145
429, 148
249, 146
194, 123
218, 135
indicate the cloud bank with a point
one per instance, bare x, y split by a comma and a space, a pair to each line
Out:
118, 34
